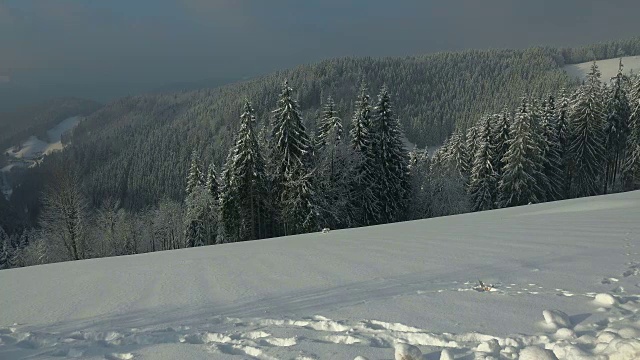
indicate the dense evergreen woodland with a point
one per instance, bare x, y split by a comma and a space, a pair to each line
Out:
283, 179
144, 174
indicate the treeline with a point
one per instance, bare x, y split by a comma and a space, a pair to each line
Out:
283, 179
138, 147
587, 143
135, 149
600, 51
564, 146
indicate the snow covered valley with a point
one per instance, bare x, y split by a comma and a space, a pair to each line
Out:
32, 149
562, 281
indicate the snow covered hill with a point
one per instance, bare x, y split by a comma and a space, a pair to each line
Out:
563, 276
34, 148
608, 68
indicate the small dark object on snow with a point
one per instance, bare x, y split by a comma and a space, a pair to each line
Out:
483, 287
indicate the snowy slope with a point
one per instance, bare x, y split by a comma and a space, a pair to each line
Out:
351, 292
32, 150
33, 147
608, 68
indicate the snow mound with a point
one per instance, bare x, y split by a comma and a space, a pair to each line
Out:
407, 352
119, 356
565, 334
284, 342
605, 299
489, 347
556, 318
536, 353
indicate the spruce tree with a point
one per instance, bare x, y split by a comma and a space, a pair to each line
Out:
456, 156
519, 183
292, 154
616, 130
447, 192
361, 122
587, 149
631, 167
5, 250
213, 190
198, 206
539, 159
291, 142
393, 160
472, 143
419, 204
197, 219
364, 192
483, 181
299, 202
211, 184
551, 148
563, 137
229, 229
250, 178
334, 172
330, 126
194, 176
501, 139
271, 195
19, 256
437, 164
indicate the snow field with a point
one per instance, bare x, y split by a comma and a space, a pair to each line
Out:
608, 68
564, 279
33, 148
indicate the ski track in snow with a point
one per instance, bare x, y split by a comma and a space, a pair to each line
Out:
268, 328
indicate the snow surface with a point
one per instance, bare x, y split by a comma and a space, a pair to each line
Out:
348, 293
31, 151
33, 148
608, 68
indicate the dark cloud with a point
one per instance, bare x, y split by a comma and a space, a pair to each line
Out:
116, 47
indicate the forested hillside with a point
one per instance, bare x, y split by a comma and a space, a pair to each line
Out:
138, 147
148, 139
355, 173
129, 159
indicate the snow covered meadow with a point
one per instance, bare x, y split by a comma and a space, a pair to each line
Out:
34, 148
608, 67
564, 278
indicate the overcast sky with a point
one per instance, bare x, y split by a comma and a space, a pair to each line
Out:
138, 44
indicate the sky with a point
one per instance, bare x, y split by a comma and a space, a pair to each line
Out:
108, 48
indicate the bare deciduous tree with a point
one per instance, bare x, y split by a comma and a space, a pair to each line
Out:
64, 215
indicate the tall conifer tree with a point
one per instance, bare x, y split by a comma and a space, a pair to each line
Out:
587, 149
393, 160
519, 183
